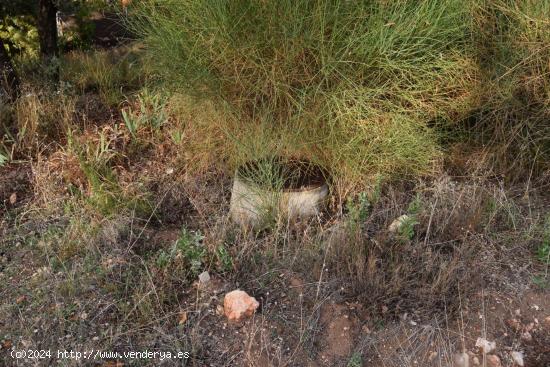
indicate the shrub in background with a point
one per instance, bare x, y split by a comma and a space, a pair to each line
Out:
513, 45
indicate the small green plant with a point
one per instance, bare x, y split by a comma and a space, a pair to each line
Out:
543, 251
410, 220
177, 137
131, 121
151, 113
224, 258
188, 247
356, 360
3, 159
163, 259
360, 207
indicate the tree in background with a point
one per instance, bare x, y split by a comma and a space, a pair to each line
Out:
9, 82
47, 28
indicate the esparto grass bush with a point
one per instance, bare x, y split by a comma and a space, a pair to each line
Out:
513, 45
351, 85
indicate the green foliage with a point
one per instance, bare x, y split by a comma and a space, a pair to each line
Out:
349, 84
356, 360
188, 247
104, 193
20, 36
3, 159
410, 220
111, 73
543, 251
512, 43
360, 207
224, 258
150, 113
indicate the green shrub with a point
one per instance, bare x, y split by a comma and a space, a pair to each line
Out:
109, 73
513, 44
350, 84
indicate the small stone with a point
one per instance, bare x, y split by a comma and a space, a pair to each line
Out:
514, 324
432, 356
475, 361
517, 357
546, 322
526, 336
204, 278
396, 225
461, 360
238, 305
485, 345
493, 361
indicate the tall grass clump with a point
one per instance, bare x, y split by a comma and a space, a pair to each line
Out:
513, 45
351, 84
110, 73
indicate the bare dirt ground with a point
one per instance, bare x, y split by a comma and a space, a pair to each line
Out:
105, 293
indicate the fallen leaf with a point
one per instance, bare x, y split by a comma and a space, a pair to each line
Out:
13, 198
20, 299
6, 344
182, 317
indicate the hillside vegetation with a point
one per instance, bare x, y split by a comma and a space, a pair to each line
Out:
431, 120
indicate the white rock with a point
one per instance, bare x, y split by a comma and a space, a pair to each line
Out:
493, 361
204, 277
461, 360
396, 225
527, 336
485, 345
517, 357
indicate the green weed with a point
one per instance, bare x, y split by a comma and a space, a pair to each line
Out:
543, 251
410, 220
356, 360
149, 113
188, 247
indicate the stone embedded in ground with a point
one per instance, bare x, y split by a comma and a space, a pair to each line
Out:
517, 357
485, 345
204, 278
546, 322
526, 336
461, 360
238, 305
396, 225
493, 361
514, 324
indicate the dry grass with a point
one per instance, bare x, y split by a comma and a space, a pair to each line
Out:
119, 212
